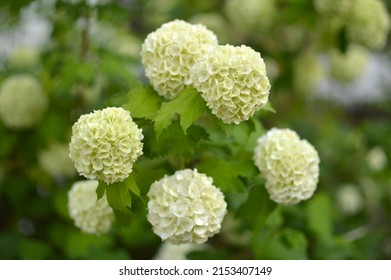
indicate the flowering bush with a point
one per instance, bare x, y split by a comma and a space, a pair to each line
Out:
22, 102
290, 166
105, 144
186, 207
56, 162
233, 82
91, 215
169, 53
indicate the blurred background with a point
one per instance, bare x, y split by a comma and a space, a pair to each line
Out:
330, 69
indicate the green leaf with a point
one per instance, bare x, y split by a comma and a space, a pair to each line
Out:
320, 217
225, 173
130, 182
143, 102
257, 208
269, 108
189, 105
118, 196
100, 190
174, 141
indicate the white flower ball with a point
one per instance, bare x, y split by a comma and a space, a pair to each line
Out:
186, 207
105, 144
169, 53
368, 24
251, 15
56, 162
350, 65
233, 82
289, 165
22, 102
89, 214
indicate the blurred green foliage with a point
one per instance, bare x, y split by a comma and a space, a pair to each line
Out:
82, 69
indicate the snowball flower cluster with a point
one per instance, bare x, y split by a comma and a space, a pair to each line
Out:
333, 7
232, 81
368, 23
22, 102
105, 144
289, 165
169, 53
349, 199
88, 213
350, 65
251, 15
56, 162
186, 207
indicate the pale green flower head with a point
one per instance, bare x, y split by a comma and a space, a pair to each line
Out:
333, 7
186, 207
169, 53
105, 144
22, 102
251, 15
307, 73
350, 65
233, 82
56, 162
289, 165
368, 24
89, 214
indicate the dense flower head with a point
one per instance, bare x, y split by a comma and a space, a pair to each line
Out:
169, 53
333, 7
55, 160
105, 144
90, 214
186, 207
232, 81
289, 165
349, 65
22, 102
368, 24
251, 15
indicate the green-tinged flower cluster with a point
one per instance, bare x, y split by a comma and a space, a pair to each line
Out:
289, 165
350, 65
105, 144
232, 81
169, 53
22, 102
333, 7
24, 58
349, 199
56, 162
368, 24
251, 15
186, 207
89, 214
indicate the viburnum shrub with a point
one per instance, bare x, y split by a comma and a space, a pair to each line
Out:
158, 145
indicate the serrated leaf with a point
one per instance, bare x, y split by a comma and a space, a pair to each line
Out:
257, 208
189, 105
101, 189
130, 182
118, 196
143, 102
174, 141
225, 173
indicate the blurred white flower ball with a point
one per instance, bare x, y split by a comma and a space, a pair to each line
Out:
368, 24
105, 144
22, 102
56, 162
186, 207
290, 166
89, 214
169, 53
233, 82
